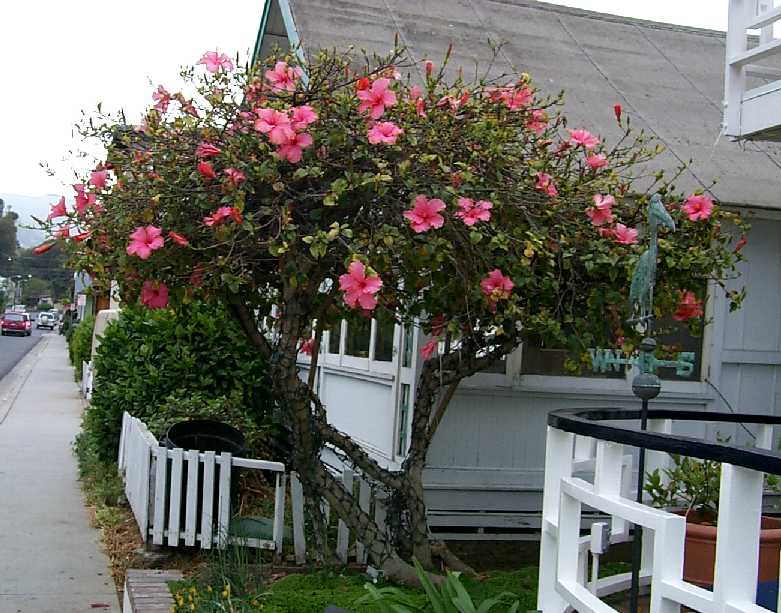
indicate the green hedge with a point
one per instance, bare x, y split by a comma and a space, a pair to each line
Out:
161, 366
80, 343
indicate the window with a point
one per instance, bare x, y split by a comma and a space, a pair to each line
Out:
672, 338
358, 337
334, 338
401, 447
383, 341
537, 359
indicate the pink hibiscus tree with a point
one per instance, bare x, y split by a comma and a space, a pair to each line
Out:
456, 206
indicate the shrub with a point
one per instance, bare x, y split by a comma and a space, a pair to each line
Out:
163, 365
80, 343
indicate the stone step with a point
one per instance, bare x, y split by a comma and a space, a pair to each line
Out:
146, 591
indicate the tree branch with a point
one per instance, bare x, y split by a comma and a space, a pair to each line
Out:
250, 326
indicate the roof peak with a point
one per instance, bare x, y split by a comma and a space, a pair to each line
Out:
578, 12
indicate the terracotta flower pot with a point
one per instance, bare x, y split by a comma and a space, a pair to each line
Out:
699, 555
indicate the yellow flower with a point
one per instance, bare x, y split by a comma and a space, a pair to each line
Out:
209, 588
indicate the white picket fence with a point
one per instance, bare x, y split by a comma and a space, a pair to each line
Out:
166, 488
370, 500
564, 555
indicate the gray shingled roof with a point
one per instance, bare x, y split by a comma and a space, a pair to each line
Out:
668, 78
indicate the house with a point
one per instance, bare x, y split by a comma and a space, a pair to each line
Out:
485, 466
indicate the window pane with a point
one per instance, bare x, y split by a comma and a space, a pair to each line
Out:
406, 356
358, 334
383, 342
673, 337
333, 339
403, 418
537, 360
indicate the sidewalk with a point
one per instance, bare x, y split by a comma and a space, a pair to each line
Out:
50, 558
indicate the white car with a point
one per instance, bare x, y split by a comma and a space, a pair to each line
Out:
46, 320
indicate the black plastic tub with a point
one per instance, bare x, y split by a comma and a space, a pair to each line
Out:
205, 435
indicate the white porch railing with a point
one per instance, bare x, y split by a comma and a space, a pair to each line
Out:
752, 86
564, 555
172, 491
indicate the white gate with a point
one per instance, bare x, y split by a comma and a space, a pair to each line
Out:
172, 491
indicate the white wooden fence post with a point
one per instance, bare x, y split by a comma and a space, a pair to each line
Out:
668, 541
161, 474
191, 499
297, 504
207, 501
364, 502
608, 471
735, 78
343, 532
224, 499
279, 513
558, 464
174, 507
737, 536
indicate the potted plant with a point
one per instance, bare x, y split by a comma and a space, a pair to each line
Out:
691, 488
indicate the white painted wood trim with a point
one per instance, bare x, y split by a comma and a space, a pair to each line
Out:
207, 498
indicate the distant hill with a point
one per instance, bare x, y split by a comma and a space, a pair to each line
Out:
26, 207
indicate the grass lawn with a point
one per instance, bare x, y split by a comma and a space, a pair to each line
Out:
312, 593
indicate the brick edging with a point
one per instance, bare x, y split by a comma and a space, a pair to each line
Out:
146, 591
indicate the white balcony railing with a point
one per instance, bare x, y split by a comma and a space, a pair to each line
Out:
564, 582
752, 84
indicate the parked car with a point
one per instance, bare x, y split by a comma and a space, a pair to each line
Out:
46, 319
16, 323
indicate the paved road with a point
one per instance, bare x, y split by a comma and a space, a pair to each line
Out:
14, 348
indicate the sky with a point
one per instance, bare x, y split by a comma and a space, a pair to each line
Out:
63, 57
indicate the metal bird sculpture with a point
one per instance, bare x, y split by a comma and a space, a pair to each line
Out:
641, 291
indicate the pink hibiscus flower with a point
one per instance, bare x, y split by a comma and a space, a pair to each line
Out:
583, 138
601, 213
178, 239
302, 116
385, 133
307, 346
293, 148
427, 350
624, 235
424, 214
206, 170
283, 78
83, 200
154, 294
545, 185
275, 124
688, 307
162, 99
376, 98
145, 240
517, 98
537, 122
98, 178
215, 62
496, 286
58, 210
235, 176
359, 289
596, 161
698, 206
206, 150
221, 214
471, 212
